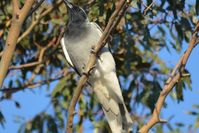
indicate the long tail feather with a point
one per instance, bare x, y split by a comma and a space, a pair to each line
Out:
116, 113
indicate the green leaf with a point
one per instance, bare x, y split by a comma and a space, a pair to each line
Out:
192, 113
179, 124
2, 119
196, 106
51, 125
179, 90
197, 122
59, 87
197, 7
17, 104
159, 129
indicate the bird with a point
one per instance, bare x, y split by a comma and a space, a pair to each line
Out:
77, 42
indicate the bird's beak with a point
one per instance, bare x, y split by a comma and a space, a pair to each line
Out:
70, 5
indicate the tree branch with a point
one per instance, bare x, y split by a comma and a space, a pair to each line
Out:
18, 17
25, 65
113, 21
10, 91
15, 5
177, 74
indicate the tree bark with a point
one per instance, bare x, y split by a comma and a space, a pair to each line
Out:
18, 17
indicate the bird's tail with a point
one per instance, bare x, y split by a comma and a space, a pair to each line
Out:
114, 109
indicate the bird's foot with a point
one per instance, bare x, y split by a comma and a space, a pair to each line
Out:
94, 52
87, 74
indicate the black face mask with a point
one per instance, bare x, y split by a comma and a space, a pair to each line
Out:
76, 14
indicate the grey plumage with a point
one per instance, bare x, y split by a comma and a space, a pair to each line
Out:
78, 39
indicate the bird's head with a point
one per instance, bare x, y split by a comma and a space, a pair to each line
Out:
76, 14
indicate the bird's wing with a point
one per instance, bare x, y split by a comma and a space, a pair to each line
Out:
100, 33
66, 53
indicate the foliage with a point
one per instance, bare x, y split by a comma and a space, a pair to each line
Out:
135, 44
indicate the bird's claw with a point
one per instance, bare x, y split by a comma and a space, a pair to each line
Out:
91, 69
85, 73
89, 72
94, 52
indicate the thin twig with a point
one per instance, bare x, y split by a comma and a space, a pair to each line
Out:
113, 21
32, 64
148, 8
9, 91
40, 60
171, 82
36, 21
34, 9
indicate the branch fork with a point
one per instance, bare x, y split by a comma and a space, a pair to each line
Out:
176, 74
